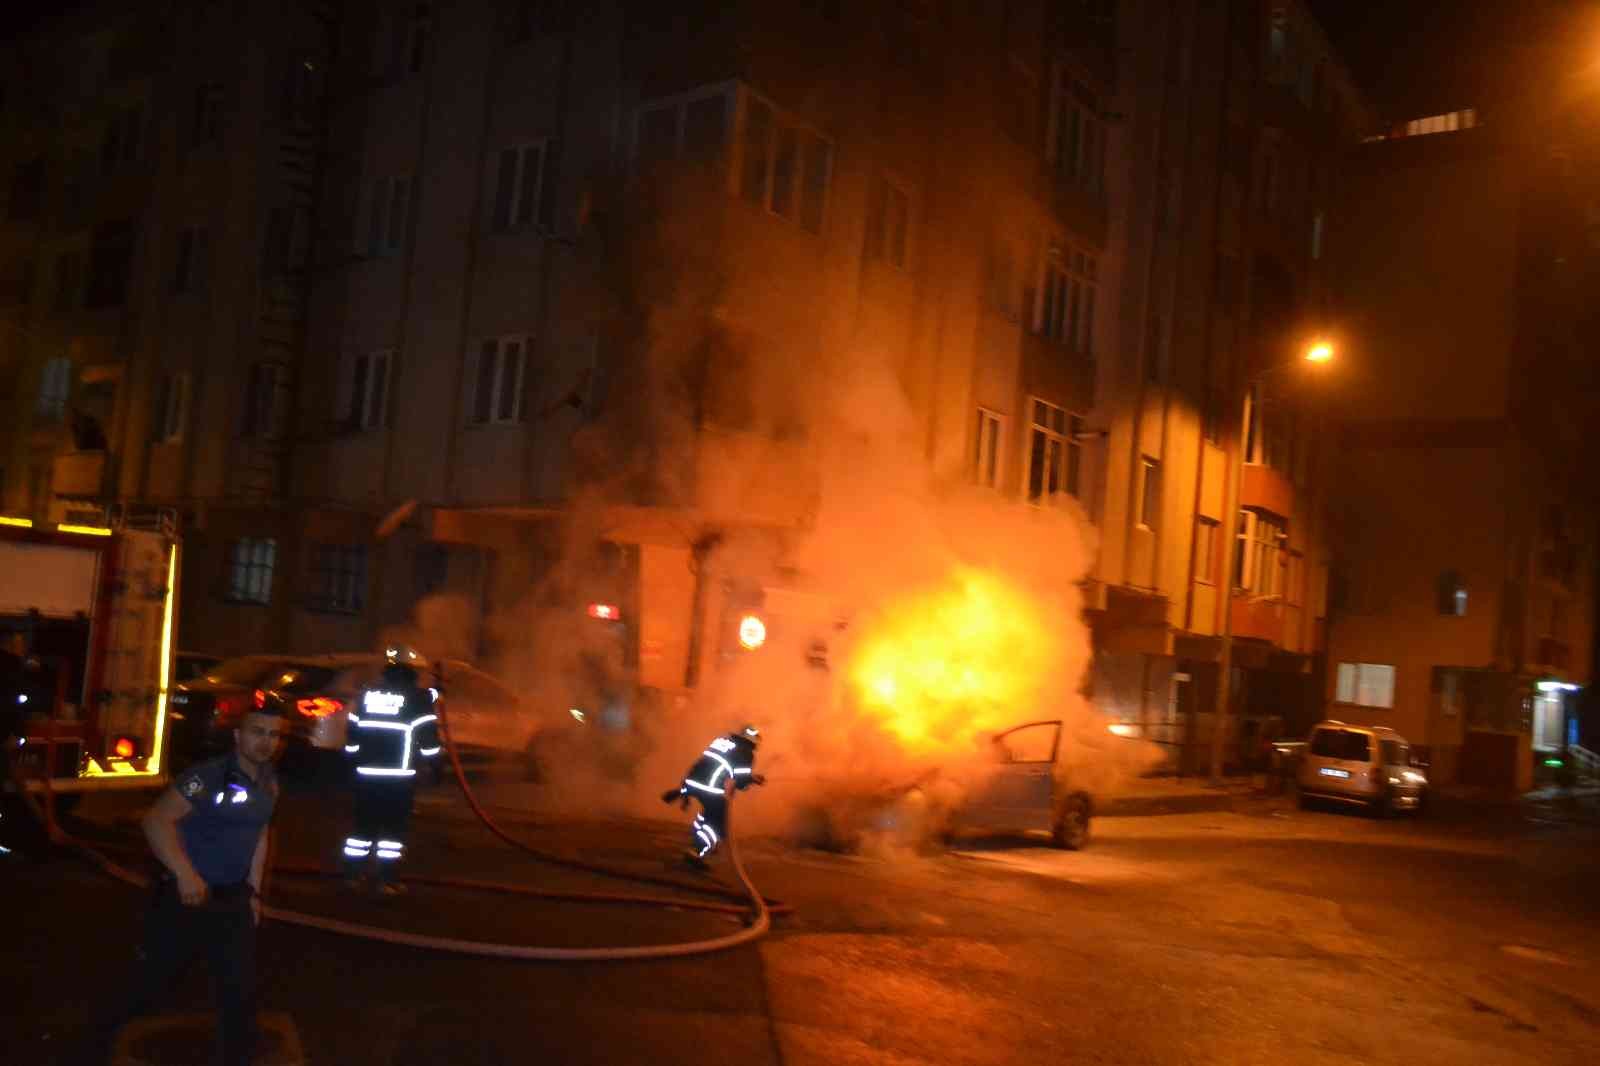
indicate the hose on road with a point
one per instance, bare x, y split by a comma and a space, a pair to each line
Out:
759, 911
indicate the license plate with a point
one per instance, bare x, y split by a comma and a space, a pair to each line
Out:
1328, 772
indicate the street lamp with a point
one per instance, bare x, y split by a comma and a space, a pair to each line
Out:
1319, 352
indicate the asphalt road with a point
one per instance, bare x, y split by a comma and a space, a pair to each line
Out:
1264, 934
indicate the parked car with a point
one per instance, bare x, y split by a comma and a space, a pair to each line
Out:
191, 665
1367, 766
316, 693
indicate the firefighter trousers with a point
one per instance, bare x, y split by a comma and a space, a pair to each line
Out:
382, 822
710, 825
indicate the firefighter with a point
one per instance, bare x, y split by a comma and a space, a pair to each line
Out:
730, 756
390, 733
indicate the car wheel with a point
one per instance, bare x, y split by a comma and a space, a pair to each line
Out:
1071, 829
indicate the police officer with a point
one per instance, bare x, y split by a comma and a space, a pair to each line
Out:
392, 731
732, 755
208, 832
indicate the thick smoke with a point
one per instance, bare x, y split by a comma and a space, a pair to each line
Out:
909, 613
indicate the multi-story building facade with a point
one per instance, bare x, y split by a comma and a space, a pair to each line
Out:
516, 257
1464, 609
1237, 117
162, 167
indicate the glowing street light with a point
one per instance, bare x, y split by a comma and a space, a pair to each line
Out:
1321, 352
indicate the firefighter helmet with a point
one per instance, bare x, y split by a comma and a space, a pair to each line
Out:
752, 734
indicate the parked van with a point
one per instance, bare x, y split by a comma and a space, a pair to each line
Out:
1370, 766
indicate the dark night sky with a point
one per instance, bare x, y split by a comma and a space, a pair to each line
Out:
1413, 57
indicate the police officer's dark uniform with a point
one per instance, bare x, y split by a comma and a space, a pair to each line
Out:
730, 756
391, 732
229, 810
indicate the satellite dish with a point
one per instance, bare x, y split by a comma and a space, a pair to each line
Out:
395, 519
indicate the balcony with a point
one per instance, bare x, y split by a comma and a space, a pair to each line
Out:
79, 475
1266, 489
1057, 374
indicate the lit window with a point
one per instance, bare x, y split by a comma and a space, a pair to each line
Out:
1259, 554
1452, 595
1365, 685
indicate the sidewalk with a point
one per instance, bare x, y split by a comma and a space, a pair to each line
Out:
1146, 796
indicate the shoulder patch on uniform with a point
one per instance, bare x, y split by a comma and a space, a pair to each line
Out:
191, 786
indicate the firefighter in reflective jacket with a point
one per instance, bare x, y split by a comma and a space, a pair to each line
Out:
730, 756
392, 731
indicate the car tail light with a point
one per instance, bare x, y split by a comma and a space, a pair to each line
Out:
261, 699
319, 706
228, 706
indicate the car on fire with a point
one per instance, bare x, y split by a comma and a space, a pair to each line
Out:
1017, 784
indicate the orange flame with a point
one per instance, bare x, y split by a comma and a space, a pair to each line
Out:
940, 666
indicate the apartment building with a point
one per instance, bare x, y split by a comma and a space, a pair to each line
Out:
1237, 117
1463, 612
161, 168
509, 256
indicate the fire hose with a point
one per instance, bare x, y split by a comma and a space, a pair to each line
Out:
759, 912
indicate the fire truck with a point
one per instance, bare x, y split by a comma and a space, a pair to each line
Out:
86, 637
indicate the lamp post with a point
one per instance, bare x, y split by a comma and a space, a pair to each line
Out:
1319, 353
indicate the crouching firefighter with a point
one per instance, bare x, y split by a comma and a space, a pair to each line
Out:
730, 756
390, 733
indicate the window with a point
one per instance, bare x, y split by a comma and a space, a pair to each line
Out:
171, 409
123, 139
250, 564
888, 222
285, 244
1346, 744
55, 389
519, 187
693, 126
27, 191
1205, 549
69, 281
266, 402
1447, 683
786, 168
498, 388
1149, 493
530, 17
338, 578
390, 205
299, 95
1065, 303
1452, 595
1054, 453
986, 449
1365, 685
369, 392
207, 123
193, 260
1259, 555
110, 262
1395, 753
1076, 143
418, 34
